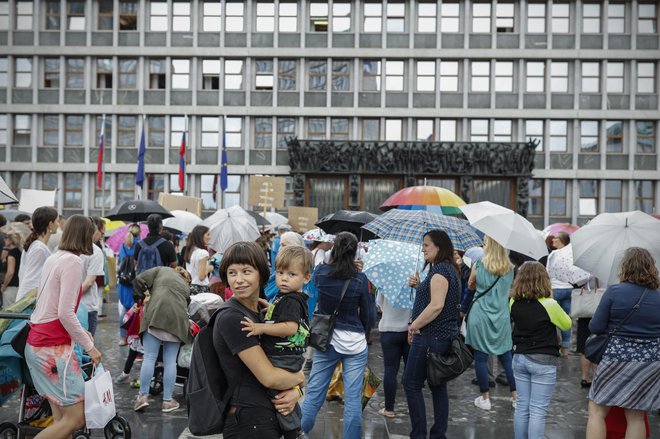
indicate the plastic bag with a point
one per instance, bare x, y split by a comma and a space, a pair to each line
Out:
99, 399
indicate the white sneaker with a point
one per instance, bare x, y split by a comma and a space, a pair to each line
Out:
122, 378
513, 403
482, 403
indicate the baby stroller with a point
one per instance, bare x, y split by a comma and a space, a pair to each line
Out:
34, 410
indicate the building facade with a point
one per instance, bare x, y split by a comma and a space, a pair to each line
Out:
579, 76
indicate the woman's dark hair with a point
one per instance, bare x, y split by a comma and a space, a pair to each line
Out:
247, 253
342, 257
195, 241
78, 235
41, 218
563, 237
314, 245
440, 239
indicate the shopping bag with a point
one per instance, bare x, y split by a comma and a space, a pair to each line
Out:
584, 302
369, 386
99, 399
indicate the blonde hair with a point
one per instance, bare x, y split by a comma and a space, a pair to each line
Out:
184, 273
496, 258
531, 282
132, 233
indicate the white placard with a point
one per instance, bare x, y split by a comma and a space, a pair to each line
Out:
587, 206
31, 199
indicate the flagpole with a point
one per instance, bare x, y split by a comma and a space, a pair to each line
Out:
102, 142
140, 192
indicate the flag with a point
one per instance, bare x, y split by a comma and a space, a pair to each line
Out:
139, 176
99, 164
223, 158
182, 163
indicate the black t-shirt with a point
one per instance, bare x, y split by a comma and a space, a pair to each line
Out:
16, 254
290, 307
166, 249
229, 340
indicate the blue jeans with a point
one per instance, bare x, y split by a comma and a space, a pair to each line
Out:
481, 369
535, 384
324, 364
170, 350
92, 322
414, 376
395, 346
563, 297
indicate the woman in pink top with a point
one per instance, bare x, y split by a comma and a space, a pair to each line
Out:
49, 350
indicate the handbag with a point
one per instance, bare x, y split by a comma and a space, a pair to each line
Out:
584, 301
596, 344
443, 367
99, 399
323, 325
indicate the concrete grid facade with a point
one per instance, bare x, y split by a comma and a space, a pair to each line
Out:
582, 77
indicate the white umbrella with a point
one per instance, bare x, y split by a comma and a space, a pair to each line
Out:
510, 230
275, 219
229, 226
6, 195
599, 246
182, 220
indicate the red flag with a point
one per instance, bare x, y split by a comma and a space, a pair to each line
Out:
182, 163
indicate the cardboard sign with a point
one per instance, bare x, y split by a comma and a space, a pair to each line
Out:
31, 199
266, 192
302, 219
180, 202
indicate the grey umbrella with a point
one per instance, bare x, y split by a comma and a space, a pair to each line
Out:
6, 195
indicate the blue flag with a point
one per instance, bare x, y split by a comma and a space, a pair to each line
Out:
139, 176
223, 158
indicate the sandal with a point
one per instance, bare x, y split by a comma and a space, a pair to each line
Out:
585, 384
386, 413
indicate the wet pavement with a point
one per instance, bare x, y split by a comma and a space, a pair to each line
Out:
566, 419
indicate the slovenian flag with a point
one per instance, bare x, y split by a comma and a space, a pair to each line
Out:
182, 163
99, 164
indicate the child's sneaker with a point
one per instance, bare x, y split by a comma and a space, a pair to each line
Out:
123, 378
170, 406
482, 403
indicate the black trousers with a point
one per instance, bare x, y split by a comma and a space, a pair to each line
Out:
252, 423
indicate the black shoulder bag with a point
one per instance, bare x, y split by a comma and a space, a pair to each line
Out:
323, 325
467, 312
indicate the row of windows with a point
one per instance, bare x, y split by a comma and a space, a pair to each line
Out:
337, 74
589, 136
390, 16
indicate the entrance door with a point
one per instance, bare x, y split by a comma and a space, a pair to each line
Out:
498, 191
375, 190
326, 194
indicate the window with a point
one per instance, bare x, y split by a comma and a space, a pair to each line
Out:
73, 130
481, 17
75, 14
156, 135
480, 76
287, 75
341, 16
424, 130
616, 18
234, 16
104, 73
535, 204
588, 201
49, 181
4, 16
3, 129
73, 190
155, 185
448, 75
232, 196
536, 18
591, 18
53, 14
559, 77
158, 16
613, 195
318, 70
23, 76
504, 17
589, 137
127, 73
558, 198
450, 17
448, 130
560, 18
645, 136
125, 187
645, 77
128, 14
394, 75
234, 132
393, 129
157, 74
286, 128
3, 72
534, 131
316, 128
502, 131
590, 77
208, 191
107, 134
644, 196
318, 16
24, 13
264, 74
210, 74
75, 73
102, 196
51, 131
396, 17
233, 74
126, 131
647, 21
181, 17
373, 13
479, 130
339, 128
614, 77
535, 77
504, 76
181, 73
341, 75
370, 129
104, 17
211, 132
425, 75
265, 17
370, 75
263, 132
558, 136
22, 129
211, 16
614, 134
288, 18
426, 17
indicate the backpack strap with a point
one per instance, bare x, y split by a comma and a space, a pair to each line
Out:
158, 242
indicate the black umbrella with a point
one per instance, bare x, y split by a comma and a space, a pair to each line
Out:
261, 221
347, 221
137, 210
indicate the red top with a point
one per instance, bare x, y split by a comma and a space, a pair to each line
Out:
50, 333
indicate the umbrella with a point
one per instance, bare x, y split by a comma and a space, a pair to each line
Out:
275, 219
348, 221
183, 221
425, 196
388, 265
137, 210
599, 246
318, 235
6, 195
112, 225
116, 238
11, 214
411, 225
20, 229
509, 229
261, 221
555, 228
229, 226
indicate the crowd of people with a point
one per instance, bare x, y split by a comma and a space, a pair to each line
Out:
506, 307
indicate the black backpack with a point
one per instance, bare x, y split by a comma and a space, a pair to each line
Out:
126, 271
207, 390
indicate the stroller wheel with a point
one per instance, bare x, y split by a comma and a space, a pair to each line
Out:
8, 431
156, 385
117, 428
80, 435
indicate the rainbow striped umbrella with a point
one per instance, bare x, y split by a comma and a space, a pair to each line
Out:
425, 196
